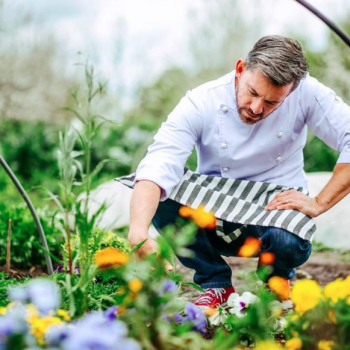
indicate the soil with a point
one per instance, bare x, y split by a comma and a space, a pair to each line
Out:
18, 274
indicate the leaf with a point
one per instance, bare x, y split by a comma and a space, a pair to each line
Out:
100, 166
194, 285
138, 246
71, 110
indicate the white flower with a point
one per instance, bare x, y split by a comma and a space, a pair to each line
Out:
219, 317
239, 304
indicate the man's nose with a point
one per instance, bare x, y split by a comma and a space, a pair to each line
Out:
257, 106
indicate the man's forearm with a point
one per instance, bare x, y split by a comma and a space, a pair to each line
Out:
143, 205
336, 189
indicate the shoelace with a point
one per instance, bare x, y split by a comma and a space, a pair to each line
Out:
210, 294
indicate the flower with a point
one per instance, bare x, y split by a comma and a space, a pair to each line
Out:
112, 334
63, 314
201, 217
39, 326
266, 258
239, 304
43, 293
195, 316
250, 247
110, 257
267, 345
112, 312
331, 316
135, 285
216, 317
280, 286
325, 344
294, 344
168, 286
306, 294
338, 289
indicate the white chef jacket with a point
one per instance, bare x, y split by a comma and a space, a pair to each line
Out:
269, 151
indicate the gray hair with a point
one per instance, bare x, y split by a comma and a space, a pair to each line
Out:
280, 59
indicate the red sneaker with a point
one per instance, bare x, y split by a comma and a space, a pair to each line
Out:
213, 297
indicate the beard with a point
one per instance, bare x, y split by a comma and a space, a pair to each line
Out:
246, 115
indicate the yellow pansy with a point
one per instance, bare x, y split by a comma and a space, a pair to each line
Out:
3, 310
336, 290
39, 327
64, 314
294, 344
306, 294
267, 345
325, 344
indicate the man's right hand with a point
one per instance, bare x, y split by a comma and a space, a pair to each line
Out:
143, 205
148, 247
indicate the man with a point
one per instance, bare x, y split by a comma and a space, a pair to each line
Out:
248, 125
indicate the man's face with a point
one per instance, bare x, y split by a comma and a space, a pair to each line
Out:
256, 96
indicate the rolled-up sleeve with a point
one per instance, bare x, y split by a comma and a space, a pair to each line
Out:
328, 117
173, 144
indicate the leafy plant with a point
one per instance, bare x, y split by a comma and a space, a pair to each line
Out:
26, 248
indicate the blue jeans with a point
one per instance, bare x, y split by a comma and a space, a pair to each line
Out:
211, 270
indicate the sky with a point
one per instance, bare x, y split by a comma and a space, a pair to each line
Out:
135, 40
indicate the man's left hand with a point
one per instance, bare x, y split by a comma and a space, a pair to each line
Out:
296, 200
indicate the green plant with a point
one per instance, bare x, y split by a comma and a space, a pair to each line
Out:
26, 248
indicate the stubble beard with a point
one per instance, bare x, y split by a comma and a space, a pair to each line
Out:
245, 119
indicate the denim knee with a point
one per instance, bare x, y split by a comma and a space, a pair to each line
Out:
289, 249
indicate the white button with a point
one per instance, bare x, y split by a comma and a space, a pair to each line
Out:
278, 158
224, 109
225, 169
224, 145
280, 134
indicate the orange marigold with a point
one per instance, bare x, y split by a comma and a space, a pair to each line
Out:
250, 247
280, 286
201, 217
135, 285
110, 257
267, 258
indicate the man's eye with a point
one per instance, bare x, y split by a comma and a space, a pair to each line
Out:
271, 103
253, 93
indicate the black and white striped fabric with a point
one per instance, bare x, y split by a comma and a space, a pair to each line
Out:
237, 201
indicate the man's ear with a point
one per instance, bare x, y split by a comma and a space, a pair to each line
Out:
240, 67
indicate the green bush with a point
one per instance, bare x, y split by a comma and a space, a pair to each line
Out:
26, 248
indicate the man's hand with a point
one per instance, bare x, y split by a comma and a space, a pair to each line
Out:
149, 247
296, 200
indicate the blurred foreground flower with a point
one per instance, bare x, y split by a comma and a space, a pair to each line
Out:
267, 345
43, 293
239, 304
306, 294
338, 289
94, 331
266, 258
195, 316
202, 218
294, 344
250, 248
168, 286
325, 345
280, 286
135, 285
110, 257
